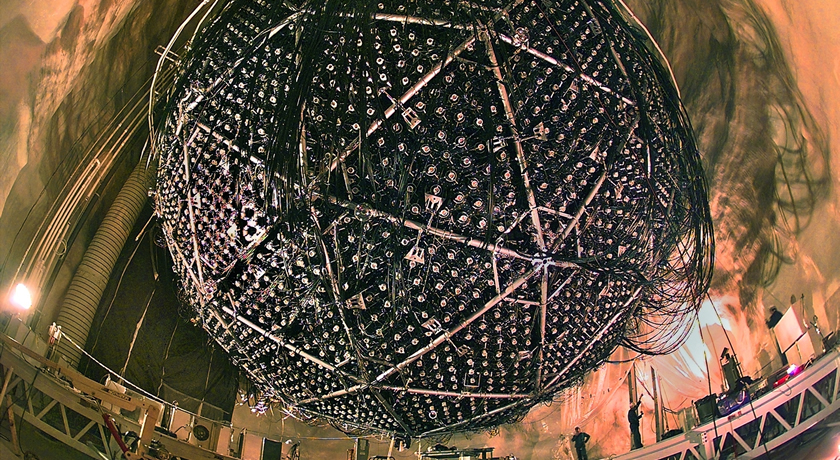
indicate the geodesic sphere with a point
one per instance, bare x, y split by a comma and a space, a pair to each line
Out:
422, 217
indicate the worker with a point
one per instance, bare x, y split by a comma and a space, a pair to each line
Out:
634, 416
775, 317
580, 439
54, 338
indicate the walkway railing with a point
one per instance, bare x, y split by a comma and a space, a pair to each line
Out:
772, 420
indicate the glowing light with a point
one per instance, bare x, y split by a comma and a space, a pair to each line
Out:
21, 297
709, 317
793, 369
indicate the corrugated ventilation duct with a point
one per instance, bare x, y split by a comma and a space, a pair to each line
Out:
88, 285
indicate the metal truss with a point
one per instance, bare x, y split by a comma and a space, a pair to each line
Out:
54, 407
769, 422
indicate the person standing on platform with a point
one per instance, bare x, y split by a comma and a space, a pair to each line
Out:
54, 338
634, 416
580, 439
775, 317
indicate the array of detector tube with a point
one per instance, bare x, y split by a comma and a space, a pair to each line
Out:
425, 217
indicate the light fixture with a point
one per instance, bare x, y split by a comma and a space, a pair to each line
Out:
21, 297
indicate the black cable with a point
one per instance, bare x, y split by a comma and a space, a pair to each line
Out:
711, 394
735, 356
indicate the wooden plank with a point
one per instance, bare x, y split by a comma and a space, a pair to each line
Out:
12, 427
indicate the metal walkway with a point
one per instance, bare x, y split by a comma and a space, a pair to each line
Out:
54, 407
772, 420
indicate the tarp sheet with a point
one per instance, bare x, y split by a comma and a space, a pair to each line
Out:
143, 332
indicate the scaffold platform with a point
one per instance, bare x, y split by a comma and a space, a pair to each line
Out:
45, 399
767, 423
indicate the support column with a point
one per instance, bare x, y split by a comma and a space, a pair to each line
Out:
657, 405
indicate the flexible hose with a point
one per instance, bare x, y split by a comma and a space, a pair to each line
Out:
91, 278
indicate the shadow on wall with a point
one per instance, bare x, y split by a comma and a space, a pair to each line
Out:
766, 156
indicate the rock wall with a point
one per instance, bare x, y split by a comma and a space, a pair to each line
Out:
67, 68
